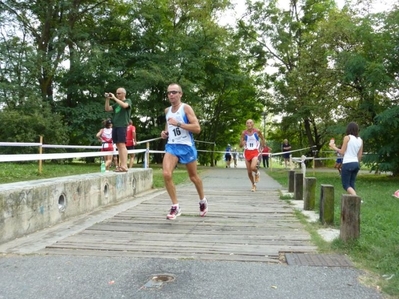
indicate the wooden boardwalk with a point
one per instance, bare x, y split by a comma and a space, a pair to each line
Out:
240, 226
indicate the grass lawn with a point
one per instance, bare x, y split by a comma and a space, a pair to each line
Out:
377, 249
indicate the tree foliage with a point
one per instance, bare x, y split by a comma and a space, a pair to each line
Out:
315, 66
77, 50
332, 66
286, 40
24, 122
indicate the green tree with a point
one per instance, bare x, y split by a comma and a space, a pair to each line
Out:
331, 66
40, 38
285, 39
381, 138
27, 122
93, 47
177, 41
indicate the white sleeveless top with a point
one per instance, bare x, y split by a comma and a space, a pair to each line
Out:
251, 141
106, 137
352, 149
179, 135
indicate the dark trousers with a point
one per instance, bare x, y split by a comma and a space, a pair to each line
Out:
348, 174
265, 160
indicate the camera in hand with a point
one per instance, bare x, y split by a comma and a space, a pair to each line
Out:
107, 95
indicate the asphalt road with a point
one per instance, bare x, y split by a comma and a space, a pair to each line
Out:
49, 277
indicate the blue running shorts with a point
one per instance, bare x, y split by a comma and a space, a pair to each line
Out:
185, 153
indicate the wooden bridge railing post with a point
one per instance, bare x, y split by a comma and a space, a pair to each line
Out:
310, 194
350, 217
298, 189
41, 152
327, 204
147, 156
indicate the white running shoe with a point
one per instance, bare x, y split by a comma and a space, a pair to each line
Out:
173, 213
203, 204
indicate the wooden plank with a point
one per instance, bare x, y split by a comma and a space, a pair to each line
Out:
189, 237
181, 251
243, 249
107, 253
225, 230
226, 244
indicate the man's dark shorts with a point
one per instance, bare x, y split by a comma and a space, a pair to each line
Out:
119, 135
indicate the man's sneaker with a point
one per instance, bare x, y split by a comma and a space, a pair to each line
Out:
173, 213
257, 176
253, 188
203, 204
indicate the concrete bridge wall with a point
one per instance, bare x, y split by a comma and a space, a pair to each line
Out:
26, 207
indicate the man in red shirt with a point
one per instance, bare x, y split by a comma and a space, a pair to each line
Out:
130, 141
265, 156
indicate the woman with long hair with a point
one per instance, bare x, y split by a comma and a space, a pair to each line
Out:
352, 151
